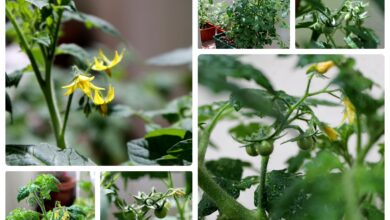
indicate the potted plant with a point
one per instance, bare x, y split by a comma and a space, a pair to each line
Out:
253, 24
66, 193
207, 30
37, 192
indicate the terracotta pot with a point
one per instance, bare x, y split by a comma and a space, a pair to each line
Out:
207, 33
219, 30
67, 192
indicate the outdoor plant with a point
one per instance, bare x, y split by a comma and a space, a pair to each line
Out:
330, 177
254, 23
35, 193
36, 27
327, 23
149, 204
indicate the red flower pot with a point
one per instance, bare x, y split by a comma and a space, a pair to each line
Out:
207, 32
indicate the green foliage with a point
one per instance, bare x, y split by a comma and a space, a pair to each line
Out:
347, 20
21, 214
146, 205
326, 179
43, 154
253, 23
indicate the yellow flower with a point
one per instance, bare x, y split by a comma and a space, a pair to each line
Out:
349, 111
322, 67
82, 82
102, 63
65, 216
101, 101
331, 133
178, 192
56, 214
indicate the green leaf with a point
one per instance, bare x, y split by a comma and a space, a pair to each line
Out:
22, 214
8, 104
91, 21
23, 193
259, 100
44, 154
227, 168
372, 213
39, 3
215, 70
206, 205
74, 50
305, 60
178, 57
277, 182
43, 38
14, 78
243, 133
296, 162
154, 149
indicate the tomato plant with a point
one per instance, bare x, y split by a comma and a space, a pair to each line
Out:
254, 23
39, 190
36, 27
147, 204
326, 23
330, 177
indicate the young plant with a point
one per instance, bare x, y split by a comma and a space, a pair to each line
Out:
254, 23
36, 27
331, 177
36, 192
149, 204
326, 23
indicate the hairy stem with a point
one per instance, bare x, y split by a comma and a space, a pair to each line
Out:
66, 115
263, 174
226, 204
204, 137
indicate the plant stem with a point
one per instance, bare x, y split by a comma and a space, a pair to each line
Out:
350, 197
180, 208
359, 134
204, 137
263, 174
25, 46
41, 205
226, 204
66, 115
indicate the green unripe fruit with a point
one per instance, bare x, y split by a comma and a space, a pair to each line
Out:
305, 143
161, 212
251, 150
264, 148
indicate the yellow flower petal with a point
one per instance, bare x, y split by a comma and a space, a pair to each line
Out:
331, 133
98, 66
323, 67
349, 111
102, 63
110, 95
98, 99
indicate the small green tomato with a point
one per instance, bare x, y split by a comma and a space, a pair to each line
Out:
251, 150
161, 212
264, 148
305, 143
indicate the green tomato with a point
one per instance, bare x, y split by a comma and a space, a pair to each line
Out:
305, 143
161, 212
264, 148
251, 150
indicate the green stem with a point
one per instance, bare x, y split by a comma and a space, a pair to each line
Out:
66, 115
263, 175
25, 46
359, 134
227, 205
180, 208
204, 137
41, 205
350, 197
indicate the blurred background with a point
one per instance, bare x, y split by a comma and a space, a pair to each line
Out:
131, 187
149, 28
72, 188
375, 21
283, 75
